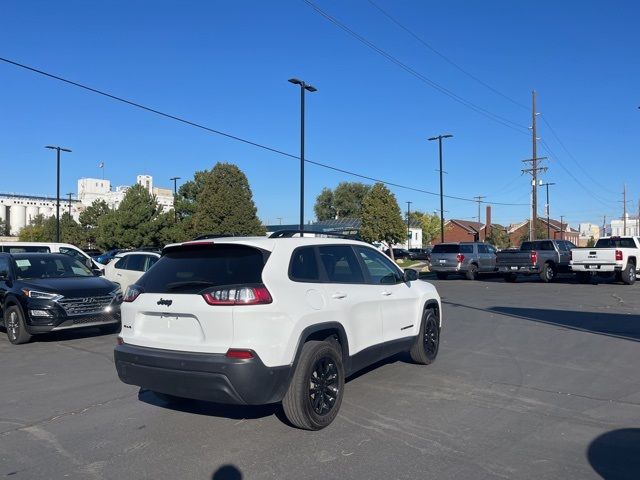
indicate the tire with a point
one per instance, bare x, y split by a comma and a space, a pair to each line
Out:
583, 277
425, 349
548, 273
472, 272
629, 274
315, 393
110, 328
441, 275
15, 326
510, 277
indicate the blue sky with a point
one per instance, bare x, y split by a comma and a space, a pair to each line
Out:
225, 64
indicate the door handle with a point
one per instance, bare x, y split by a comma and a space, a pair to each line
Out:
386, 294
339, 295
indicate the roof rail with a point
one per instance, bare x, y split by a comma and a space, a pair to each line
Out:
207, 236
291, 233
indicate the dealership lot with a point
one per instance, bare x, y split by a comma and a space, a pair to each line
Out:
533, 380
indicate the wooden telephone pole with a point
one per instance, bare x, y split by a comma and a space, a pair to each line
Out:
534, 170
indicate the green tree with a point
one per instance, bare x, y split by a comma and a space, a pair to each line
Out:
89, 221
343, 202
541, 232
323, 208
225, 204
591, 242
70, 230
381, 217
35, 231
430, 224
498, 237
4, 228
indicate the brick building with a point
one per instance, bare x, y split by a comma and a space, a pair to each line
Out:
557, 231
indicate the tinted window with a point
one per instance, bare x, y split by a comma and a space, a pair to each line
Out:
136, 262
526, 246
615, 243
151, 261
197, 268
49, 266
72, 252
491, 249
482, 248
380, 269
445, 248
122, 263
340, 264
4, 265
546, 246
304, 265
466, 248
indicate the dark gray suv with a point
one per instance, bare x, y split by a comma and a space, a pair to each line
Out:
464, 258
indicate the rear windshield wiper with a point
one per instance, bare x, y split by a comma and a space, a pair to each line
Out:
188, 284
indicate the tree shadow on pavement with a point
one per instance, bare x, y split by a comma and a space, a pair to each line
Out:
615, 455
610, 324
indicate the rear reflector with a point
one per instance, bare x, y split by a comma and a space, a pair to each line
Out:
238, 295
239, 354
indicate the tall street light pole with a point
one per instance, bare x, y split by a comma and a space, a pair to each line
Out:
304, 87
175, 195
58, 150
548, 206
408, 225
439, 138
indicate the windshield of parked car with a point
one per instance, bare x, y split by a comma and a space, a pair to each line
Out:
49, 266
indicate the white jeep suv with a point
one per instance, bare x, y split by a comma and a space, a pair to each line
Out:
257, 320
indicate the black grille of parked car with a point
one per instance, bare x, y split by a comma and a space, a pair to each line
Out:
84, 305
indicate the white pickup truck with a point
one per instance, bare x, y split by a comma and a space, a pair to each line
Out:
611, 256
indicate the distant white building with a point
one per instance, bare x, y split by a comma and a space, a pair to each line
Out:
92, 189
633, 226
19, 210
588, 231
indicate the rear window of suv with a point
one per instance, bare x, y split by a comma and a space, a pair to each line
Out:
615, 243
194, 269
445, 248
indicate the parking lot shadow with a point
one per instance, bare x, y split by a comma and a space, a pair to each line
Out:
227, 472
610, 324
236, 412
615, 455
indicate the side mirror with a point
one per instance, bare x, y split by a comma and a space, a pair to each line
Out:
4, 276
97, 272
410, 275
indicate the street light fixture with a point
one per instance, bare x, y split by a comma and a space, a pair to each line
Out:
439, 138
304, 87
58, 150
175, 195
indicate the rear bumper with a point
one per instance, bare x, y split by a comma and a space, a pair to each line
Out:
524, 270
596, 267
202, 376
447, 269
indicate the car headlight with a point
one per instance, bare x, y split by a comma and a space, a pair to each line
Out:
41, 295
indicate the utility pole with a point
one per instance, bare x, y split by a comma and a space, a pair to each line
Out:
439, 138
408, 225
624, 210
69, 195
175, 196
279, 220
58, 150
535, 169
561, 227
479, 200
604, 226
638, 220
547, 207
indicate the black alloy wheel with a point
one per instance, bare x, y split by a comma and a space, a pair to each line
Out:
324, 386
431, 338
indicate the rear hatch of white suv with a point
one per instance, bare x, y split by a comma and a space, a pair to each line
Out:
185, 302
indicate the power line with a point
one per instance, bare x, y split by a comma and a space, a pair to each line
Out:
235, 137
444, 57
492, 116
553, 132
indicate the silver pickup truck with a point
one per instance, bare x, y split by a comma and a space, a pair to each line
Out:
611, 256
545, 258
464, 258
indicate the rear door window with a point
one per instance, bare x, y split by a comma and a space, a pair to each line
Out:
340, 264
466, 248
304, 265
482, 248
196, 268
136, 262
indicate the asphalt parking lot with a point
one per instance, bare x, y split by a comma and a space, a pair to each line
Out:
532, 381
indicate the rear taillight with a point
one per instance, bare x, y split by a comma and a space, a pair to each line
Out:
238, 295
460, 258
239, 354
119, 340
534, 257
133, 292
618, 255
